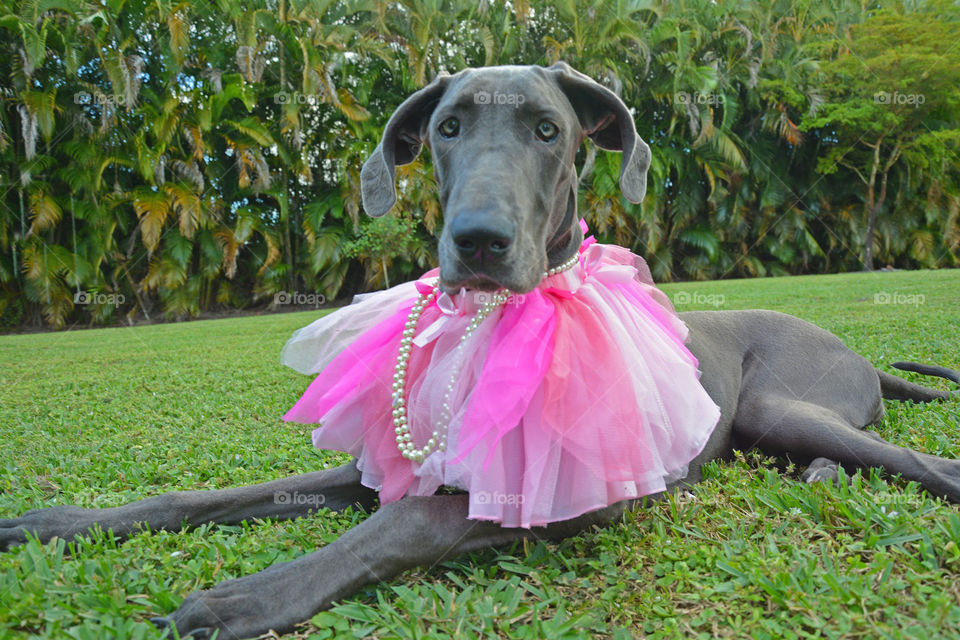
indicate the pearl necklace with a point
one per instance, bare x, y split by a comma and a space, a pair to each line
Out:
400, 419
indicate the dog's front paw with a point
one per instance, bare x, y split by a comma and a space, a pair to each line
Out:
242, 608
233, 613
202, 633
63, 522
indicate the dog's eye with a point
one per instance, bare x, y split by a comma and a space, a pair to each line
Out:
449, 127
547, 131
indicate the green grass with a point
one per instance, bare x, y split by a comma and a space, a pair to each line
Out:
101, 417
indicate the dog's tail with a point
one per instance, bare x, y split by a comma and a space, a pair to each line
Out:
894, 388
928, 370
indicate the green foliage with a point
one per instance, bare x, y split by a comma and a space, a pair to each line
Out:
235, 134
890, 114
382, 240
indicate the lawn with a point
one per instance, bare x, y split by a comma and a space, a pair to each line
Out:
101, 417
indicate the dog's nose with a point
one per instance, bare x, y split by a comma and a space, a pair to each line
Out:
480, 237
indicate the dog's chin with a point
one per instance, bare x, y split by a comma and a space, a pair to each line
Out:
482, 283
475, 283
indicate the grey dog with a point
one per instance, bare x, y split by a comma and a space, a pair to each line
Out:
505, 171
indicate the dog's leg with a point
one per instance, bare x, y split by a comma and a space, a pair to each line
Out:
894, 388
781, 426
285, 498
828, 470
414, 531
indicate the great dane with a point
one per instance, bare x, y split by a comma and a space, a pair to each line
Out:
503, 143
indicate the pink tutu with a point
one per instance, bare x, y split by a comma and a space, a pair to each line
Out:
566, 399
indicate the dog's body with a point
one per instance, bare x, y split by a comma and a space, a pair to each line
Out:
508, 188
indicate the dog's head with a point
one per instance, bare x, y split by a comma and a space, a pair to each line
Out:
503, 141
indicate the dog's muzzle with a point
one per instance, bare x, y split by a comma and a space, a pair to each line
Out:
482, 241
479, 250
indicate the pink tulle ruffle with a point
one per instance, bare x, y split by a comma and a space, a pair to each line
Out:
566, 399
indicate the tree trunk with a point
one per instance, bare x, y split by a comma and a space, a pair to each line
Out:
294, 210
876, 203
868, 239
287, 239
871, 208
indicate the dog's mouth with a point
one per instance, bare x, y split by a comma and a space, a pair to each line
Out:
507, 274
477, 282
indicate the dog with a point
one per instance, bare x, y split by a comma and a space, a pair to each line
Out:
508, 188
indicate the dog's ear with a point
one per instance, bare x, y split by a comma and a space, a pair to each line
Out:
606, 120
402, 139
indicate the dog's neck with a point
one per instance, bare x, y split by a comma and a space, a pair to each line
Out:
567, 239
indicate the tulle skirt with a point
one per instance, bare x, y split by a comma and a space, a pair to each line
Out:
564, 400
